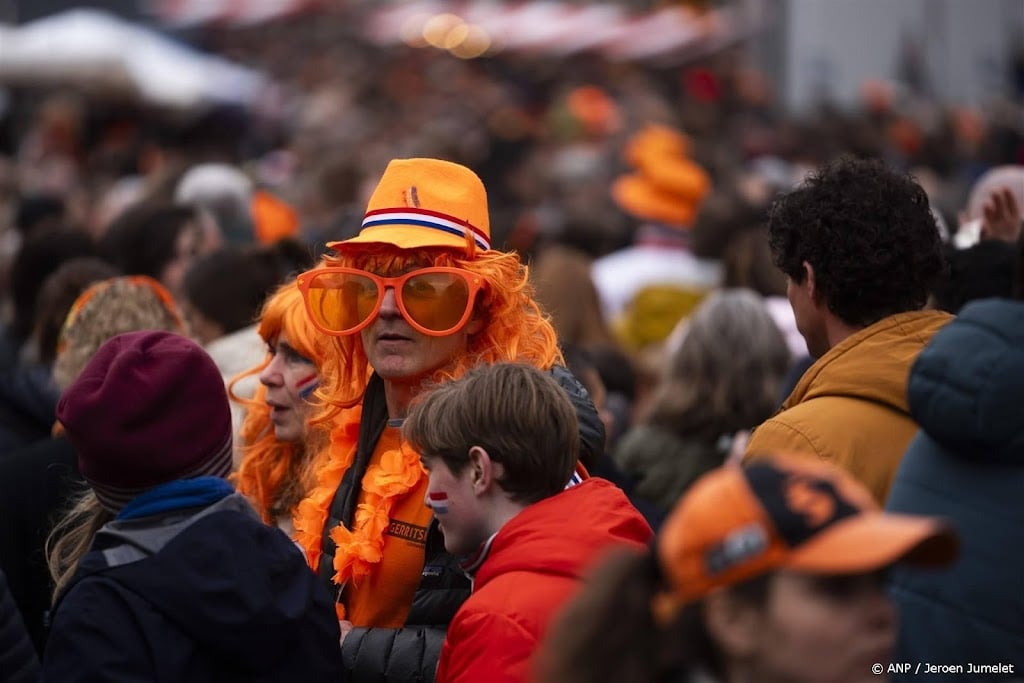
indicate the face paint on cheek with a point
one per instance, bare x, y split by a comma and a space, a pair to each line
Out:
438, 502
307, 385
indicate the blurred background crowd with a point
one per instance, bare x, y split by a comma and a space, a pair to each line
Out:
630, 150
183, 140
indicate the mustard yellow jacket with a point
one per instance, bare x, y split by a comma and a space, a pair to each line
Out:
850, 407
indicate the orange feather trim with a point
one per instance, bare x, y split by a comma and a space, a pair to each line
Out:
360, 548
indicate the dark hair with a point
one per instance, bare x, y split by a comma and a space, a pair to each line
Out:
40, 255
983, 270
142, 240
609, 631
57, 295
289, 257
517, 413
38, 211
229, 285
869, 234
723, 216
616, 369
747, 262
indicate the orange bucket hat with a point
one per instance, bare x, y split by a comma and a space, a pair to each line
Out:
425, 203
785, 512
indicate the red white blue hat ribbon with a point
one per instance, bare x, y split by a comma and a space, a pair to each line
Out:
425, 218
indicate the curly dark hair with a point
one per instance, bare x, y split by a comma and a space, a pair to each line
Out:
868, 232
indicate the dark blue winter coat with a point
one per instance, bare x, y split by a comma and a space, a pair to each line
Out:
966, 391
28, 406
18, 661
207, 594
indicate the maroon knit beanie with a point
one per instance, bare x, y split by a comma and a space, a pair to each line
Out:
149, 408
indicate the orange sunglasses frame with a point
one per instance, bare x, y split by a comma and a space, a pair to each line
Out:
475, 282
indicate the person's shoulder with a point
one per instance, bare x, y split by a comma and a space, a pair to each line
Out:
92, 599
646, 442
914, 326
796, 429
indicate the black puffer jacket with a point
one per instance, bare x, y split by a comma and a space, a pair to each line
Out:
382, 655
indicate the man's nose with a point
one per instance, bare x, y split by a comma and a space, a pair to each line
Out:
389, 304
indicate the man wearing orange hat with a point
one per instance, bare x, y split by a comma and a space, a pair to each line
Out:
418, 297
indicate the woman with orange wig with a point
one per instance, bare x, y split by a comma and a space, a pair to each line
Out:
276, 472
417, 298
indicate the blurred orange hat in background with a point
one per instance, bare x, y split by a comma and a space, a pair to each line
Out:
273, 218
665, 186
594, 109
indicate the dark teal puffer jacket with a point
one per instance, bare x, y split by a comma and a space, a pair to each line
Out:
966, 391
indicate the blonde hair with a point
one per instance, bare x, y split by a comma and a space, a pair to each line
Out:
71, 538
274, 474
106, 309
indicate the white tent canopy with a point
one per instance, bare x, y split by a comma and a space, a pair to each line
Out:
94, 49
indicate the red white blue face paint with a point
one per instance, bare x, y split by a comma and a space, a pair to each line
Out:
307, 385
438, 502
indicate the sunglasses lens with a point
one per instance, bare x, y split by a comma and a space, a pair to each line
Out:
436, 301
340, 302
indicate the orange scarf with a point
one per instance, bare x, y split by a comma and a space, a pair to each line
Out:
359, 549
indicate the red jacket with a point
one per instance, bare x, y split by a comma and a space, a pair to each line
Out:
533, 567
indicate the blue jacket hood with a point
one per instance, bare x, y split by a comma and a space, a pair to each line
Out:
966, 388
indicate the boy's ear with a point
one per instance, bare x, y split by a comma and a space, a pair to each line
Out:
482, 471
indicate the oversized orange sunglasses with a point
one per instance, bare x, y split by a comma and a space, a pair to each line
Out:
435, 301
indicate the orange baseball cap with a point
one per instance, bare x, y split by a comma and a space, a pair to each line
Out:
787, 512
425, 203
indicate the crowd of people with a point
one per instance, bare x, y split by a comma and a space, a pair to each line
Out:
499, 370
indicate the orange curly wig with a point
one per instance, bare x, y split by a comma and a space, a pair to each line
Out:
268, 465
